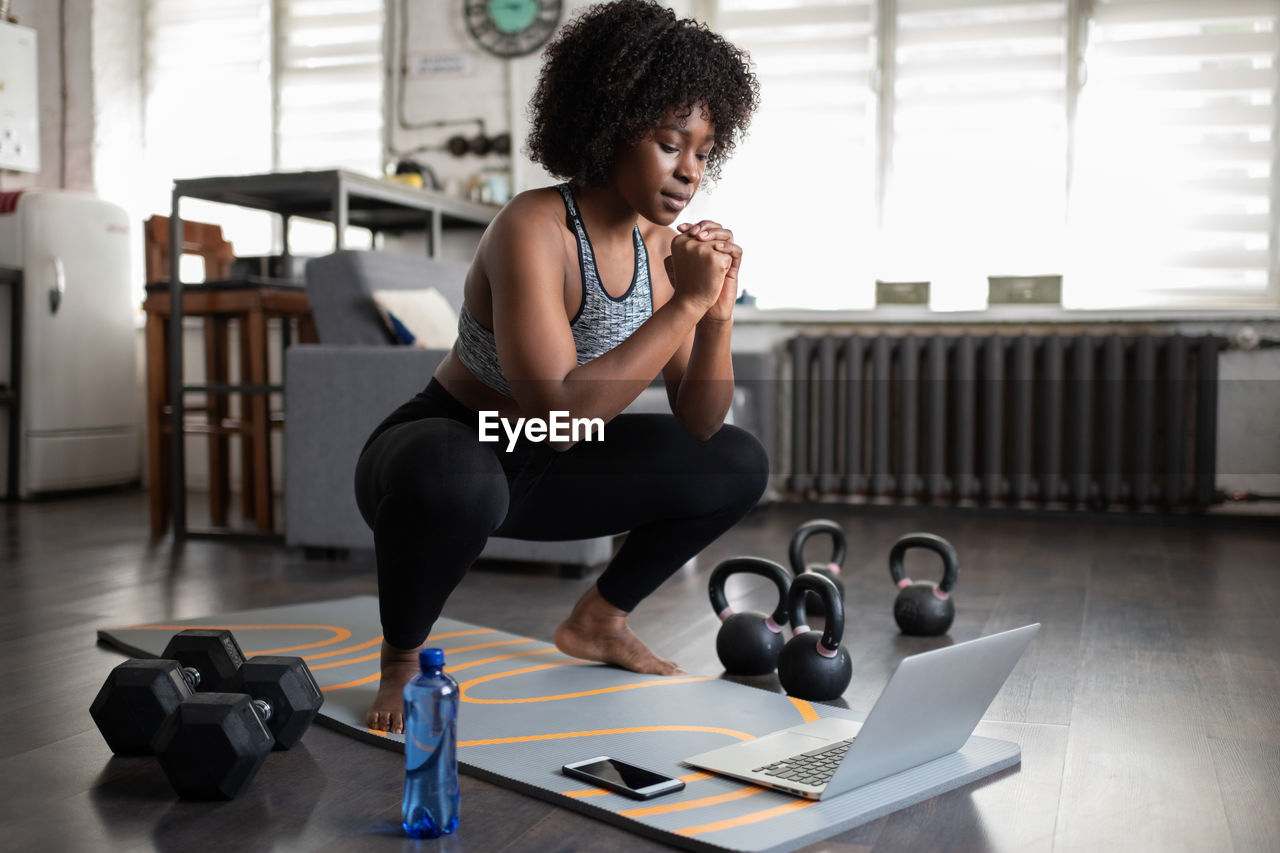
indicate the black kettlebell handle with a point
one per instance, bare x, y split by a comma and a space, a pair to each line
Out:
930, 542
755, 566
833, 630
812, 528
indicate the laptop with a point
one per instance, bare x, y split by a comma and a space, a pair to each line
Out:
928, 709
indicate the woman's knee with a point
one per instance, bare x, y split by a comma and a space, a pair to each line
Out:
742, 457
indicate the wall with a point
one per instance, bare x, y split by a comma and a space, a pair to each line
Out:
90, 89
66, 93
495, 90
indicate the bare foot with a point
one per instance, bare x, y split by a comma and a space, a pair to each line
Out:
596, 630
387, 712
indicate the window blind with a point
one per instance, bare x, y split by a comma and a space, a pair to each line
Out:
329, 91
800, 191
976, 156
207, 106
243, 86
330, 81
1176, 178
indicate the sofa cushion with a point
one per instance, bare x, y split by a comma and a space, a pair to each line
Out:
340, 290
421, 318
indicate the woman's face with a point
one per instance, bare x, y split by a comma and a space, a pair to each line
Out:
659, 174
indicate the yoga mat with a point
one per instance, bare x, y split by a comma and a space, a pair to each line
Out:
527, 710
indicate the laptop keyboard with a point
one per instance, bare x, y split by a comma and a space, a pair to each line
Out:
809, 768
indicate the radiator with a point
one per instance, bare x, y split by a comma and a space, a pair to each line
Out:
1078, 421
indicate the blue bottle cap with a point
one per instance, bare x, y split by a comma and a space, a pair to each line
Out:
431, 657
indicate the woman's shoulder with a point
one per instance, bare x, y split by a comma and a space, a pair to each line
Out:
531, 219
532, 208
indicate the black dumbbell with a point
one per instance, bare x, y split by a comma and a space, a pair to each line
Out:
285, 692
140, 694
212, 654
135, 700
213, 745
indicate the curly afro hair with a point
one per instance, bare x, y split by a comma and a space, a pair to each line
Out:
611, 74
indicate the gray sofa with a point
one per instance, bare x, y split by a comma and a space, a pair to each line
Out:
336, 391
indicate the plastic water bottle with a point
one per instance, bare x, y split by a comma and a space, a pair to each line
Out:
430, 806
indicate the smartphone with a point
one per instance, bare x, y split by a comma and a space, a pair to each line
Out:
624, 778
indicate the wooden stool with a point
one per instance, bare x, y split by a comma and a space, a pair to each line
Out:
219, 302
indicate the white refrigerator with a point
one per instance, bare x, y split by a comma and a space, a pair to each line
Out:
80, 425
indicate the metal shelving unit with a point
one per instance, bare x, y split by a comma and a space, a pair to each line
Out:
339, 197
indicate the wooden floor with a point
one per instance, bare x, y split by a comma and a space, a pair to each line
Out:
1148, 708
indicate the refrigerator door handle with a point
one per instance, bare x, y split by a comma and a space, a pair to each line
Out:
59, 286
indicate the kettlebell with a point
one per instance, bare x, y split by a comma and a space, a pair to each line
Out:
749, 642
924, 609
829, 569
814, 665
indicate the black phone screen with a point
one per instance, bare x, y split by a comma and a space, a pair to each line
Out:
621, 773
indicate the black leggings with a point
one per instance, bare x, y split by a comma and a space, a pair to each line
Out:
434, 494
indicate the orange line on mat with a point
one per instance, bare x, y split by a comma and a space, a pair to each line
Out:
348, 662
369, 679
378, 639
743, 820
806, 710
375, 641
694, 804
471, 663
462, 688
359, 682
374, 657
489, 645
434, 637
339, 634
596, 792
597, 732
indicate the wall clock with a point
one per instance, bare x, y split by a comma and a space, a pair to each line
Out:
509, 28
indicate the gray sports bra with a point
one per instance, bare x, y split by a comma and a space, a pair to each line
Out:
602, 322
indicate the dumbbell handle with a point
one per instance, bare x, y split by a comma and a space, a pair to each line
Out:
192, 677
263, 708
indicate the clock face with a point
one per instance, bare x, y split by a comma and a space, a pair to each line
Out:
511, 27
